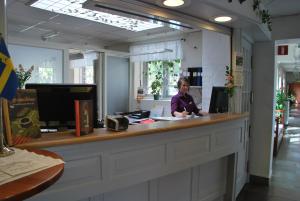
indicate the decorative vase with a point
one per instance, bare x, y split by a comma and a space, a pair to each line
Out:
21, 85
231, 104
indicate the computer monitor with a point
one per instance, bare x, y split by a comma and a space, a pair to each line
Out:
56, 103
218, 100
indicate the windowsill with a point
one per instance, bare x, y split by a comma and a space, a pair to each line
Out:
151, 99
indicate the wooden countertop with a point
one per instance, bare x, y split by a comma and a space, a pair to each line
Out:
30, 185
68, 138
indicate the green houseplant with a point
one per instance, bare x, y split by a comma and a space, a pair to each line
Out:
281, 97
156, 86
282, 105
229, 81
160, 72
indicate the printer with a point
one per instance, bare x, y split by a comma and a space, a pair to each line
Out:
116, 122
140, 114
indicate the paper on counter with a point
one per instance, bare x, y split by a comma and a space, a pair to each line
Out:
24, 163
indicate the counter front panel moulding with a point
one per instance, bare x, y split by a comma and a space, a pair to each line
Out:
138, 167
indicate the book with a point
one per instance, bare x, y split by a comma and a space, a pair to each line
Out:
24, 116
84, 117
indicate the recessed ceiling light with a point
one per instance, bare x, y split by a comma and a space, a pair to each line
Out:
173, 3
74, 8
223, 19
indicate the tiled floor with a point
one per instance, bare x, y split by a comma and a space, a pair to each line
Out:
285, 181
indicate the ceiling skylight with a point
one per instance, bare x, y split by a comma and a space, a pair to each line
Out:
74, 8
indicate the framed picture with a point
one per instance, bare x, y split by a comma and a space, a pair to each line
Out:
239, 61
21, 117
238, 68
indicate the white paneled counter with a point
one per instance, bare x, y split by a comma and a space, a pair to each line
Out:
186, 160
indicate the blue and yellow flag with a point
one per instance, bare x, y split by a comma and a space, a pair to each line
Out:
8, 77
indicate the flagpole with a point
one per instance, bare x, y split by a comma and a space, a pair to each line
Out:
4, 151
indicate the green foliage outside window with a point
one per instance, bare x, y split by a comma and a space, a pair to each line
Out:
162, 76
46, 75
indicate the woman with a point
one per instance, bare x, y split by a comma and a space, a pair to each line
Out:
183, 104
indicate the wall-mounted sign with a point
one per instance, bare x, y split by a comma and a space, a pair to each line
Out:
283, 50
238, 69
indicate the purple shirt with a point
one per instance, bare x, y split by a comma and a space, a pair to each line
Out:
180, 103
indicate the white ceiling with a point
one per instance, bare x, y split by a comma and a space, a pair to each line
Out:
25, 21
279, 8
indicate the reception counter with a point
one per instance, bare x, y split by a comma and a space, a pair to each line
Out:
194, 159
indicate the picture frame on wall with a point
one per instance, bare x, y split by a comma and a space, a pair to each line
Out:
239, 62
238, 69
21, 117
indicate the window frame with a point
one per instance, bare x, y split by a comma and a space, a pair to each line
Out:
166, 80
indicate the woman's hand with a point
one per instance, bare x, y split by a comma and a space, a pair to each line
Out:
181, 114
199, 114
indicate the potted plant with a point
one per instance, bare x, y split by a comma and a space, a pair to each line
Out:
280, 99
291, 96
156, 86
158, 73
229, 87
23, 75
282, 105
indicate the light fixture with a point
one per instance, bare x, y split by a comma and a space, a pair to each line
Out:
74, 8
49, 35
153, 52
173, 3
75, 56
222, 19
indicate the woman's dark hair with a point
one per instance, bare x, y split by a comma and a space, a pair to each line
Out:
181, 80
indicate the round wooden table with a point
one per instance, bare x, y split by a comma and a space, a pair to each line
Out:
28, 186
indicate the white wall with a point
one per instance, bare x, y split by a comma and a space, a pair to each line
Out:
215, 57
293, 54
192, 57
262, 118
39, 58
192, 50
263, 86
67, 72
208, 49
117, 84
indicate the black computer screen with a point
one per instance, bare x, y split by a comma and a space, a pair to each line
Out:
218, 100
56, 103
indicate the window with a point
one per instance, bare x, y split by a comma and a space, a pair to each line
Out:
84, 75
46, 75
48, 63
83, 66
167, 72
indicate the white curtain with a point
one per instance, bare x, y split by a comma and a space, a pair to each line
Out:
169, 50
